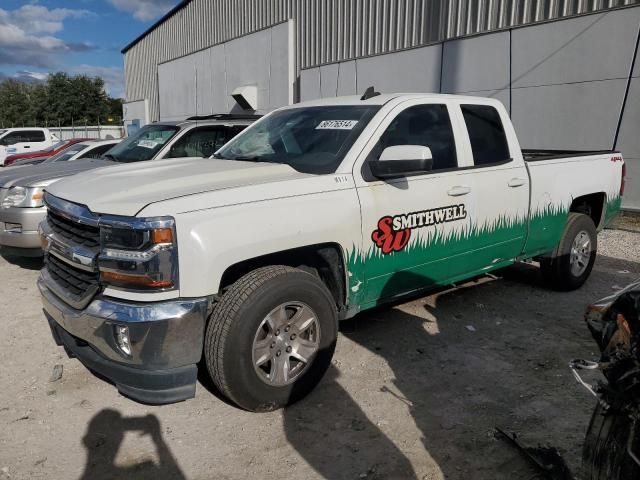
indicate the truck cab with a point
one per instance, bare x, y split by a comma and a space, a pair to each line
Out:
22, 140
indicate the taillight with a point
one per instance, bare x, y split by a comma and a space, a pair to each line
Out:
624, 174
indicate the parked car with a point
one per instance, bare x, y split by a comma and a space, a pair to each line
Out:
318, 211
78, 151
21, 189
41, 155
20, 140
612, 444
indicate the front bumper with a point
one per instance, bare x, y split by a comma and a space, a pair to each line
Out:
26, 235
166, 341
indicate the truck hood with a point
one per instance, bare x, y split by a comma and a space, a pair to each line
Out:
43, 175
127, 189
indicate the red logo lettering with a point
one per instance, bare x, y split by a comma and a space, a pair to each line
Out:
387, 240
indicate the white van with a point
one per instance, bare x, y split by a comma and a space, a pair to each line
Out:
21, 140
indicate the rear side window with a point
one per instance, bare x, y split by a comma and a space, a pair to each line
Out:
34, 136
488, 140
426, 125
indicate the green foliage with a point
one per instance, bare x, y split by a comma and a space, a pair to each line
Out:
61, 100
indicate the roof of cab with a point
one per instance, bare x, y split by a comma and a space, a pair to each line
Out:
382, 99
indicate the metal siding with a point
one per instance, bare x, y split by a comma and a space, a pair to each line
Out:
332, 30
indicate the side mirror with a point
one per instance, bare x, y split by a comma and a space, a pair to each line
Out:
401, 161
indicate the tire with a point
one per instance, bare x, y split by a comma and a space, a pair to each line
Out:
560, 271
242, 321
604, 455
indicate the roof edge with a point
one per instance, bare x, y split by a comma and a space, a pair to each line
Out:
163, 19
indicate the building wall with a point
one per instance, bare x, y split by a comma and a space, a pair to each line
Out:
564, 82
331, 30
202, 83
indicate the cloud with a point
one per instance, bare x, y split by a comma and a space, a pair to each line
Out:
144, 10
25, 35
39, 19
113, 77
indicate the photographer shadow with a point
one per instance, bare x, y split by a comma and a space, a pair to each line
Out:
103, 439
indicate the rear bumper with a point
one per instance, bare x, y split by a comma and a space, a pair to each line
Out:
19, 227
166, 340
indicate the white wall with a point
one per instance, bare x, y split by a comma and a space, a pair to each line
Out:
201, 83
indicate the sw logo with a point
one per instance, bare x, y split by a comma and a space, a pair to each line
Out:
393, 233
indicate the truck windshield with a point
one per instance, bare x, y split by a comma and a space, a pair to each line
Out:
144, 144
310, 140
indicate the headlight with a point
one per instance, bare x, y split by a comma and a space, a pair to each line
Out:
139, 255
23, 197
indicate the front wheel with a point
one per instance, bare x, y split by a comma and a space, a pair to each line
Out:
271, 338
569, 266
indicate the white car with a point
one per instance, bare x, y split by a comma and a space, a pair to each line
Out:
79, 151
21, 140
314, 213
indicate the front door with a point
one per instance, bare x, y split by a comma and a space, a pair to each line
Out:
414, 228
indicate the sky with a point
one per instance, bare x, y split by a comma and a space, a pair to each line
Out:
75, 36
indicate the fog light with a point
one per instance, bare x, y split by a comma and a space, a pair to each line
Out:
13, 227
122, 339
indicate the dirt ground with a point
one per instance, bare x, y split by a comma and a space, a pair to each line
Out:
415, 391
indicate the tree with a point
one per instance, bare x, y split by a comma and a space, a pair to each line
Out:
61, 99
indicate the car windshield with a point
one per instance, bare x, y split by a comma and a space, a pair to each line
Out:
67, 153
55, 146
310, 140
144, 144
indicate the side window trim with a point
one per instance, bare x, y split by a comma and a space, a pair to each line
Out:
454, 122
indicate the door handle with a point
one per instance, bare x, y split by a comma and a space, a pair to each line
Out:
458, 191
516, 182
26, 146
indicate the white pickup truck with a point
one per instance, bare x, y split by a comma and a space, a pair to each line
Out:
23, 140
316, 212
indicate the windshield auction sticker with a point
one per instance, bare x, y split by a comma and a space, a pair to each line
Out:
336, 124
393, 233
147, 144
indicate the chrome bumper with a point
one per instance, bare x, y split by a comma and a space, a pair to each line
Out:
163, 335
27, 235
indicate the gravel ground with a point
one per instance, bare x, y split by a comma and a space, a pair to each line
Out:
415, 391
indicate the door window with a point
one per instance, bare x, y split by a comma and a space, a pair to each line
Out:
200, 142
33, 136
11, 138
486, 133
426, 125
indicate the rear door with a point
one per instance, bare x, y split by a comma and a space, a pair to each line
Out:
414, 228
501, 187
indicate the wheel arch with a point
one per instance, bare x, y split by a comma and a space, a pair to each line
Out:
325, 260
593, 205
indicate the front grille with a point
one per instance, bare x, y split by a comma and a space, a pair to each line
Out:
77, 233
75, 281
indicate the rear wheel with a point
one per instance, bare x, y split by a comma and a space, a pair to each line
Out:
571, 263
271, 338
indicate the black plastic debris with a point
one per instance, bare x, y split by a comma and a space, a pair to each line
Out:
547, 460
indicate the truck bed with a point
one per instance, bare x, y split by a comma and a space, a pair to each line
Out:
533, 155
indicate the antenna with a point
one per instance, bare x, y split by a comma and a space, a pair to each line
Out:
369, 93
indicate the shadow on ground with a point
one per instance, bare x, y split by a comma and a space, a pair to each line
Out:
28, 263
103, 440
487, 365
